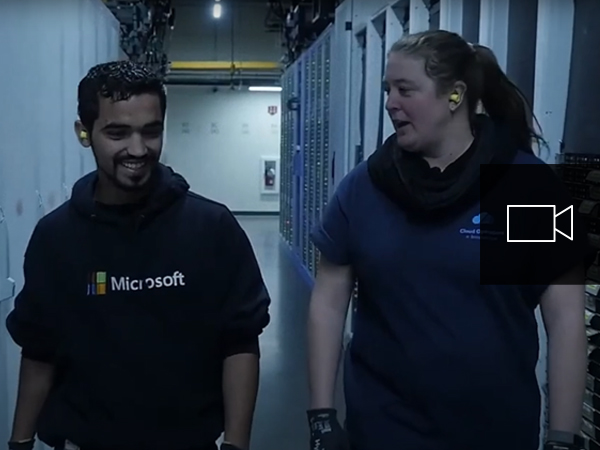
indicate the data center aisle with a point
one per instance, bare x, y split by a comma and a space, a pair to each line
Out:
280, 419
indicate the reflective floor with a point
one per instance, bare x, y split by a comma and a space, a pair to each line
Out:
280, 419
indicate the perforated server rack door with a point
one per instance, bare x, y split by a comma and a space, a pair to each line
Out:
297, 161
325, 155
309, 146
318, 155
581, 175
321, 165
312, 152
305, 107
285, 188
324, 163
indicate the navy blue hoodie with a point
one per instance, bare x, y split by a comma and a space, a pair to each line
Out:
138, 308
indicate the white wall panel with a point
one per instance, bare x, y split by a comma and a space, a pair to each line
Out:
50, 158
19, 93
362, 14
393, 28
419, 16
90, 55
363, 11
451, 15
49, 45
373, 75
493, 28
72, 49
393, 32
552, 64
356, 80
339, 117
7, 17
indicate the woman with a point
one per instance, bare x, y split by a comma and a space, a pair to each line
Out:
445, 341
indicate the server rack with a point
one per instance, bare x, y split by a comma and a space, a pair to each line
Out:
288, 144
581, 174
305, 149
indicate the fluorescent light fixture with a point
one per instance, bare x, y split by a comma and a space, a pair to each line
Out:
217, 10
265, 88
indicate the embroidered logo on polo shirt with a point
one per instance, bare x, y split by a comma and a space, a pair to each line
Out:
475, 232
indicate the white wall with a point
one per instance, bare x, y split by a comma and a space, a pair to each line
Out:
553, 61
216, 140
49, 46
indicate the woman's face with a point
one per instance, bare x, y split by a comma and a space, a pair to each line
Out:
416, 110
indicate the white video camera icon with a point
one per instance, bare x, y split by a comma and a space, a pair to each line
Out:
554, 229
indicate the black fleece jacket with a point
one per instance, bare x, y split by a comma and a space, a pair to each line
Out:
138, 307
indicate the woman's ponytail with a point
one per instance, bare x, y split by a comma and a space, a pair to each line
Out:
504, 102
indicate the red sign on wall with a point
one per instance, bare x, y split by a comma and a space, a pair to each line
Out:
272, 110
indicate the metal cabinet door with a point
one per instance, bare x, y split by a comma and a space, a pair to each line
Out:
7, 288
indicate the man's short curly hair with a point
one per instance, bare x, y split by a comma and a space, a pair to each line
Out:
117, 80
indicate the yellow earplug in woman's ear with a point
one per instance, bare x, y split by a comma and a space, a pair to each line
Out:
83, 135
455, 98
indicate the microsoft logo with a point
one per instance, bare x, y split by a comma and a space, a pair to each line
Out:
97, 283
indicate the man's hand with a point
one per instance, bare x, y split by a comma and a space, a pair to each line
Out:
35, 381
240, 387
326, 433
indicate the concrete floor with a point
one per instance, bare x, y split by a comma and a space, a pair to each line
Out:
280, 419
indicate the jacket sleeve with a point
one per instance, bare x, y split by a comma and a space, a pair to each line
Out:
246, 303
31, 323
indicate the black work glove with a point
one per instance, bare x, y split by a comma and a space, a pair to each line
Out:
27, 445
326, 433
557, 440
227, 446
552, 445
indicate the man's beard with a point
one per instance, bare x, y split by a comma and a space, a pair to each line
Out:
137, 185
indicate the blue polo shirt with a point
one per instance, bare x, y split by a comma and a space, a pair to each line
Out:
438, 361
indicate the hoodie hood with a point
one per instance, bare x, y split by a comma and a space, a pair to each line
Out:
167, 188
429, 194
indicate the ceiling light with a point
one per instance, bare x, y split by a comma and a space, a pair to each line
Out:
265, 88
217, 10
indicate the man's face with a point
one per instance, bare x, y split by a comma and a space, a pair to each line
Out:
127, 140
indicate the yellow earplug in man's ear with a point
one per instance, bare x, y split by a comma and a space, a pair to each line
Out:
83, 135
455, 98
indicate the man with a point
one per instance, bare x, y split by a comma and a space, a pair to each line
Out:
143, 302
